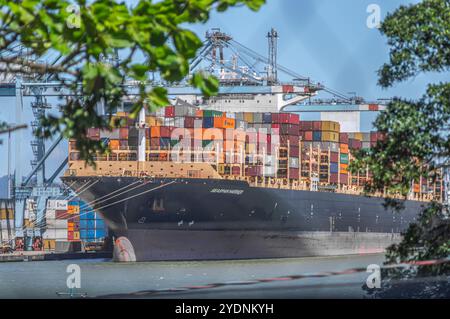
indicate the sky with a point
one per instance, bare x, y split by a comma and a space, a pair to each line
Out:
326, 40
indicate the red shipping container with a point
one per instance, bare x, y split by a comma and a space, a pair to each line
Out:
308, 136
334, 157
294, 140
334, 178
294, 173
343, 138
317, 125
294, 118
93, 132
189, 121
373, 136
344, 179
61, 214
354, 144
169, 111
275, 117
253, 171
287, 88
294, 151
283, 118
235, 170
373, 107
123, 133
165, 131
306, 125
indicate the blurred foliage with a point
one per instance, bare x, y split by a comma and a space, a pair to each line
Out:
155, 31
416, 133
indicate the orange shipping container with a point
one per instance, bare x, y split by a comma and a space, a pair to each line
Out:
114, 144
344, 169
71, 209
344, 148
199, 113
155, 131
223, 122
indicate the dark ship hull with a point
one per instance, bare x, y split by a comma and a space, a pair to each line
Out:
181, 219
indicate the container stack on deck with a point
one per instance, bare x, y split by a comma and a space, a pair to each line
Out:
70, 221
7, 229
307, 150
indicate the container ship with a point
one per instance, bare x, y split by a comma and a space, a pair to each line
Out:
186, 183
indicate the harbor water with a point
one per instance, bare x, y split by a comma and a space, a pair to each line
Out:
103, 278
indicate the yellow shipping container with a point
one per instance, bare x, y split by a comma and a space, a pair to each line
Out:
221, 169
49, 244
248, 117
76, 235
359, 136
329, 136
122, 114
6, 214
331, 126
152, 121
71, 209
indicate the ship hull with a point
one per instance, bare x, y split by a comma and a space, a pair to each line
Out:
190, 219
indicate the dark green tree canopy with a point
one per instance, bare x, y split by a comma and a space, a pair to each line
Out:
156, 31
417, 132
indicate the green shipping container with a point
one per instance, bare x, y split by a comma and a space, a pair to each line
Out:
344, 158
211, 113
206, 142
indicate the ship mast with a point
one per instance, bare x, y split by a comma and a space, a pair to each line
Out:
272, 76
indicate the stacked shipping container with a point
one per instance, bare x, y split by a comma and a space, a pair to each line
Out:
305, 149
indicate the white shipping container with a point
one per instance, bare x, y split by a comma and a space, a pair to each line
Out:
49, 234
5, 223
349, 121
5, 235
61, 234
269, 171
50, 214
56, 229
179, 122
169, 121
293, 162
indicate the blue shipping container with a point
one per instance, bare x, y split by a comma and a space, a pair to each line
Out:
83, 223
317, 136
208, 122
100, 223
334, 168
100, 233
87, 215
267, 118
91, 234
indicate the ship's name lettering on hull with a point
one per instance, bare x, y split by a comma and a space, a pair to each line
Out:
227, 191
